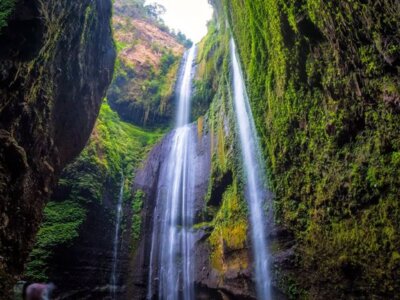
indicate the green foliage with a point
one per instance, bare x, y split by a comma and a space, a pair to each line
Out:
137, 204
60, 227
123, 145
6, 8
181, 37
211, 54
325, 96
167, 60
229, 230
142, 93
115, 147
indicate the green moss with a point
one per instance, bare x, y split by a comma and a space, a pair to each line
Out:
210, 57
320, 80
229, 229
60, 227
115, 147
137, 204
6, 8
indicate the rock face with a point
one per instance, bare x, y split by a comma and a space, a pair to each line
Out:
323, 80
56, 61
82, 269
147, 181
234, 279
211, 284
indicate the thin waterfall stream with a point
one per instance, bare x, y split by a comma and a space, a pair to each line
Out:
255, 192
113, 280
172, 264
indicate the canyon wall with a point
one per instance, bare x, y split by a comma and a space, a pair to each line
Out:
323, 79
56, 61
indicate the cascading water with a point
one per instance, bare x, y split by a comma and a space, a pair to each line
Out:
113, 280
256, 193
173, 215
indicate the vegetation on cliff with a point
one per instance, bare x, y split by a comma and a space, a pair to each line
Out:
225, 213
148, 60
114, 148
323, 79
56, 61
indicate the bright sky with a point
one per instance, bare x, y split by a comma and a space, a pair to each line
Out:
188, 16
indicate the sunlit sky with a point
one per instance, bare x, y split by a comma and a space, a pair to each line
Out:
188, 16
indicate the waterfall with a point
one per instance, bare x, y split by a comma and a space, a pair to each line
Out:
255, 193
173, 216
113, 280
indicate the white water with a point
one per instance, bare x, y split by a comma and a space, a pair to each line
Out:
113, 281
256, 193
173, 215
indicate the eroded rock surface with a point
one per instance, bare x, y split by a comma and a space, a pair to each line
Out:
56, 61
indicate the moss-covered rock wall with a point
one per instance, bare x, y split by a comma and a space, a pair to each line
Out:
323, 79
56, 61
223, 259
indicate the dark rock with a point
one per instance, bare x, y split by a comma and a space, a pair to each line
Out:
147, 180
233, 285
82, 269
56, 61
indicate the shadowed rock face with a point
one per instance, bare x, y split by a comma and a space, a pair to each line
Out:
56, 62
82, 269
147, 180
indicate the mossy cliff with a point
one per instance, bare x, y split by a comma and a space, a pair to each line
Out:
74, 246
56, 61
223, 259
323, 79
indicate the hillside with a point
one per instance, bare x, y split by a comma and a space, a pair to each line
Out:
146, 69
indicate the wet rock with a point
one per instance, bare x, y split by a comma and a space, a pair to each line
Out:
56, 61
147, 180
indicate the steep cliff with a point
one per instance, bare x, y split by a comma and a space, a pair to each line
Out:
147, 182
222, 258
323, 78
56, 61
74, 247
323, 82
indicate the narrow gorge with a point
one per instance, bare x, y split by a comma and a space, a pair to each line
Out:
199, 149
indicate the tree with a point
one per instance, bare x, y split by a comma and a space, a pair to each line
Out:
155, 11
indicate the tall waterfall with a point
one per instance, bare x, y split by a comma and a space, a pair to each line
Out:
172, 239
256, 193
113, 280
